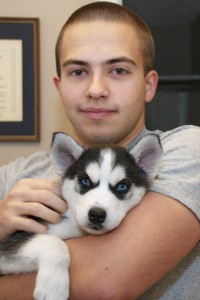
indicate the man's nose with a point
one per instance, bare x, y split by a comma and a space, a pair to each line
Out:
97, 88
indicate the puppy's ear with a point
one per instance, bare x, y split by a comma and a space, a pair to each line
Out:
64, 151
147, 154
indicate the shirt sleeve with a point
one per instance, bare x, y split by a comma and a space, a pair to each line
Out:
179, 174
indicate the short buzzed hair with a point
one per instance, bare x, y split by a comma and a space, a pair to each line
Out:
111, 12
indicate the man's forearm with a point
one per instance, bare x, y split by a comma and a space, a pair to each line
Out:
17, 287
125, 263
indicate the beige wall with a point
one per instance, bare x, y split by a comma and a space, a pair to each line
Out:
52, 15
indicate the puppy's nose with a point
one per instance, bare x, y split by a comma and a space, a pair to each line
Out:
97, 215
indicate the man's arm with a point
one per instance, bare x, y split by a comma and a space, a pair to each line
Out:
124, 263
17, 287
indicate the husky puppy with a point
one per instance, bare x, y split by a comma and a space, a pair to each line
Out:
100, 185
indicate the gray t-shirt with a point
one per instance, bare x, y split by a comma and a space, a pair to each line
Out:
179, 178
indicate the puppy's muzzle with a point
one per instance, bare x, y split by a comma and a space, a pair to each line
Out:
96, 216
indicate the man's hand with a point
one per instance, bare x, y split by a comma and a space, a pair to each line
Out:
31, 197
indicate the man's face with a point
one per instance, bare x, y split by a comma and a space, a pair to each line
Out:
102, 84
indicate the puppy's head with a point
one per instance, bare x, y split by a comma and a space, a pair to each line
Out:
101, 184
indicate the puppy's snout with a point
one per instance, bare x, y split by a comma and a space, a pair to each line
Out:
97, 215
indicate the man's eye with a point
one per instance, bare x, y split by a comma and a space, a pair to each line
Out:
119, 71
77, 73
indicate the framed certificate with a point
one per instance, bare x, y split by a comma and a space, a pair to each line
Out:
19, 79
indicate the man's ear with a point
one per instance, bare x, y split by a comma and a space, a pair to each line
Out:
151, 85
56, 81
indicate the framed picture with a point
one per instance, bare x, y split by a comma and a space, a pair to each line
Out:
19, 79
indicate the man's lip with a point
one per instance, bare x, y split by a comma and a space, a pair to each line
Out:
97, 113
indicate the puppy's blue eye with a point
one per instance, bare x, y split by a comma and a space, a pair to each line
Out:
85, 182
122, 187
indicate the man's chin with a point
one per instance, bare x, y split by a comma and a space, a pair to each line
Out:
95, 138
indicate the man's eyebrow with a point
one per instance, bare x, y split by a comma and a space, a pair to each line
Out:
74, 62
107, 62
120, 59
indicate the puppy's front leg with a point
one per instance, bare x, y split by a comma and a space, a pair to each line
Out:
51, 255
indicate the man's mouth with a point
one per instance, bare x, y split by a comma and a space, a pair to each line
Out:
97, 113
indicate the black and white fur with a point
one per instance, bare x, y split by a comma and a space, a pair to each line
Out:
100, 186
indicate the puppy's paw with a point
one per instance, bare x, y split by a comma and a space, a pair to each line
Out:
55, 287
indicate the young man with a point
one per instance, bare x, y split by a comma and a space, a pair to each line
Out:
105, 59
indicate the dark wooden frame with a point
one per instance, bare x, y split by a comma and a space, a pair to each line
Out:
27, 30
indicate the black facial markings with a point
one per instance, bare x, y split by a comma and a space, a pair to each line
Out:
79, 166
121, 188
78, 169
85, 183
134, 174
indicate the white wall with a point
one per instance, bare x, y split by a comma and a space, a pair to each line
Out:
52, 15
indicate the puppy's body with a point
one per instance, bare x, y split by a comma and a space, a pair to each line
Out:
100, 186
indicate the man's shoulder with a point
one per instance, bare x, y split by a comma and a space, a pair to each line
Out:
185, 137
37, 165
34, 165
32, 161
173, 136
185, 131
